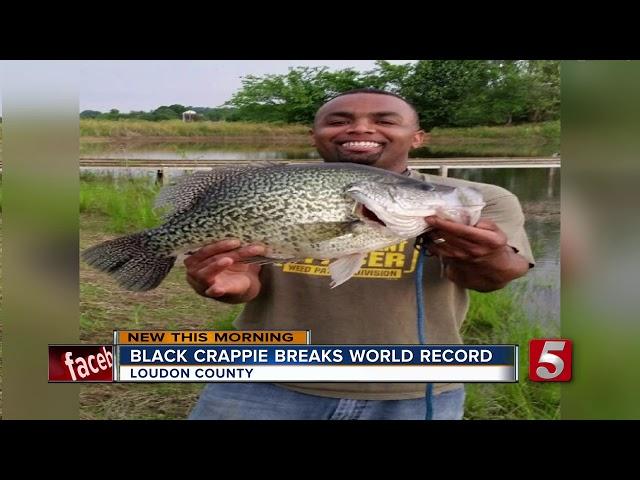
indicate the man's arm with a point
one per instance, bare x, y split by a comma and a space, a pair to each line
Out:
217, 271
476, 257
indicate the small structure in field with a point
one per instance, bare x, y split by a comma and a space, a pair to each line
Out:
189, 116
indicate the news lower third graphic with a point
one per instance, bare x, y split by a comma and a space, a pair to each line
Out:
319, 363
289, 356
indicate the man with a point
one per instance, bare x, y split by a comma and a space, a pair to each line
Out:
374, 128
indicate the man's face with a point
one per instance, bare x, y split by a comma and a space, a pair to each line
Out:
367, 128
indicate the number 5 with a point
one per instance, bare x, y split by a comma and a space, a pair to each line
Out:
546, 357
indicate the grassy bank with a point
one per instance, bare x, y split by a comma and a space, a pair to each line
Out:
124, 204
527, 140
544, 130
111, 206
498, 318
548, 131
177, 128
105, 307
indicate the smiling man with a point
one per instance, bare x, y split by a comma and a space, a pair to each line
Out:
371, 129
377, 306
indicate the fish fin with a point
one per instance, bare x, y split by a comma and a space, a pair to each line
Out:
258, 260
345, 267
184, 192
129, 262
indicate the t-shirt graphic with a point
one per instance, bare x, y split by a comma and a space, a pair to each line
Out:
390, 263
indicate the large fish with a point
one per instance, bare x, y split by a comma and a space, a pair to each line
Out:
338, 211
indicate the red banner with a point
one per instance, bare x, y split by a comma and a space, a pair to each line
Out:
81, 363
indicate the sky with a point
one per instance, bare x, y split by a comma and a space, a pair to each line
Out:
145, 85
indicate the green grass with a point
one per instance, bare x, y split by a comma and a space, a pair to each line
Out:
178, 128
111, 206
533, 139
189, 149
498, 318
105, 307
547, 130
152, 401
527, 140
126, 202
1, 298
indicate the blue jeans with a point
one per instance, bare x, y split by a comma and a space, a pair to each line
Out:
265, 401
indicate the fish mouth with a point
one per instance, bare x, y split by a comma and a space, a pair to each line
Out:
365, 214
378, 217
401, 225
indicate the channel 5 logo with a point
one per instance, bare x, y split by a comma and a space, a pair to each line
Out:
550, 360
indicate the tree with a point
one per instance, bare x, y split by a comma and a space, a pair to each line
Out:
114, 114
295, 96
445, 91
543, 87
483, 92
90, 114
387, 76
167, 113
507, 92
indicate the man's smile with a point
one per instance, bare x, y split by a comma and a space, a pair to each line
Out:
360, 146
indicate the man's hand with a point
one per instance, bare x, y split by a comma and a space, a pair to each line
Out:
476, 257
214, 271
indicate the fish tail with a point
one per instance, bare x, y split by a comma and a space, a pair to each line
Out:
130, 262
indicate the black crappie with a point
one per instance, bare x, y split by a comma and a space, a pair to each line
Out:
324, 211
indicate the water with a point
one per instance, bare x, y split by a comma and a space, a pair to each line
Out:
196, 151
538, 191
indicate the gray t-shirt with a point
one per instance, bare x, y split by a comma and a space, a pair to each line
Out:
377, 305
